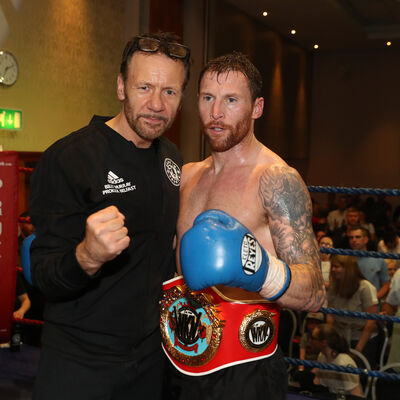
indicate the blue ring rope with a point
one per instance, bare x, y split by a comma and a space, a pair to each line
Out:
339, 368
354, 190
359, 314
359, 253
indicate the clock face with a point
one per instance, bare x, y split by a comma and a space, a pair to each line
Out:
8, 68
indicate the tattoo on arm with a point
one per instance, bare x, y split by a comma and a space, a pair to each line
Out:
288, 208
287, 205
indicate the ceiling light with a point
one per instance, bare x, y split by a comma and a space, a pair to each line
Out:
293, 31
265, 13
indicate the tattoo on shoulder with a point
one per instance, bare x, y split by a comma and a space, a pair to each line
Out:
287, 205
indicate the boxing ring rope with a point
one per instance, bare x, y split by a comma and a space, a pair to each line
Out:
354, 190
359, 314
360, 253
338, 368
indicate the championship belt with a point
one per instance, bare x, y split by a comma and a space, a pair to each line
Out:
204, 331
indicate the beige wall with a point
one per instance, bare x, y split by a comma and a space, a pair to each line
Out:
69, 53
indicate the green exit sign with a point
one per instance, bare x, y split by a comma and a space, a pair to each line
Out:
10, 120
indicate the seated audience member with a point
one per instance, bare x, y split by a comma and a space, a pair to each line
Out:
340, 235
333, 349
326, 241
337, 218
391, 307
25, 228
390, 243
307, 352
319, 234
302, 376
353, 219
373, 269
349, 290
391, 266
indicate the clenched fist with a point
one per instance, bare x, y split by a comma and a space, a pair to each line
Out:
106, 237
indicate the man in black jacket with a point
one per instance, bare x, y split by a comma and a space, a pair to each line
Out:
104, 202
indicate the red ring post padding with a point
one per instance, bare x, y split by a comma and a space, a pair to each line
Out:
26, 321
8, 239
25, 169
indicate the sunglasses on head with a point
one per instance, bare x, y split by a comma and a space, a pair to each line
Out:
152, 45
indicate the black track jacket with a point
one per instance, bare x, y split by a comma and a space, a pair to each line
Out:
114, 314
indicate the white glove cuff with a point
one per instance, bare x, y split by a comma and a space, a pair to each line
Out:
277, 281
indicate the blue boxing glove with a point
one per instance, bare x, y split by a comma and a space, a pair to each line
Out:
219, 250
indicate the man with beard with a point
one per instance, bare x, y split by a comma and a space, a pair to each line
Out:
239, 205
104, 201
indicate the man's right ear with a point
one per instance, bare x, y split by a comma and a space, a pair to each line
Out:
120, 88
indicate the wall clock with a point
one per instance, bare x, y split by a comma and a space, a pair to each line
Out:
8, 68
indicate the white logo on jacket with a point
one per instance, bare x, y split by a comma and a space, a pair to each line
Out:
172, 171
117, 184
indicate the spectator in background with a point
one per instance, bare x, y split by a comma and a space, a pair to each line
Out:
390, 243
334, 349
25, 228
340, 235
391, 266
319, 234
350, 291
326, 241
391, 307
31, 333
392, 269
303, 375
373, 269
337, 218
307, 351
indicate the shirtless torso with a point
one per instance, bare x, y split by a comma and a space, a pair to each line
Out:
268, 197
